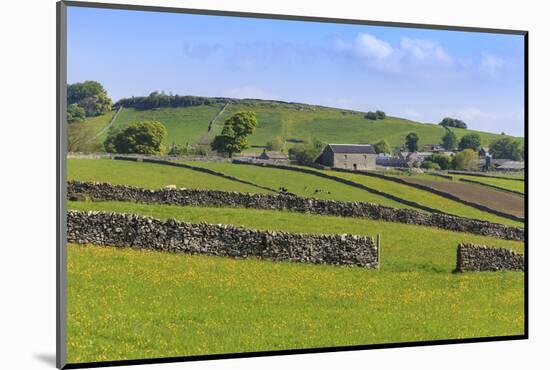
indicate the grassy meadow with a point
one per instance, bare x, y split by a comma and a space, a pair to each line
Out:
189, 125
150, 175
130, 304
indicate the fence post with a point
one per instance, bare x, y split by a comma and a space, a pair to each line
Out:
378, 250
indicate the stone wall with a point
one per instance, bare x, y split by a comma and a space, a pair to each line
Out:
472, 257
125, 230
194, 197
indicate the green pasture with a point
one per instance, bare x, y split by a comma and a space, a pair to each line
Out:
150, 175
331, 125
298, 183
125, 304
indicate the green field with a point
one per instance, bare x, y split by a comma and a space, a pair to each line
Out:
501, 183
150, 175
127, 304
190, 124
298, 183
422, 197
184, 125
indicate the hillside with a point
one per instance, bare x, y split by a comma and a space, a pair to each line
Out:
291, 121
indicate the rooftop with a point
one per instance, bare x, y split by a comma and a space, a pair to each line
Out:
352, 148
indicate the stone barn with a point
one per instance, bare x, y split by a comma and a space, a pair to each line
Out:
348, 156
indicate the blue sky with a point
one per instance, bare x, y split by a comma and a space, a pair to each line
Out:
418, 74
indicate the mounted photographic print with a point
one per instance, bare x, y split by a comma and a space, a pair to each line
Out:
235, 184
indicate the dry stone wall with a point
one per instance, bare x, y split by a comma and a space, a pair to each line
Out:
472, 257
125, 230
194, 197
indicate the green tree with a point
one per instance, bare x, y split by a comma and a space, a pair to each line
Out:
449, 140
233, 136
411, 142
429, 165
470, 141
307, 152
465, 160
371, 115
75, 113
90, 96
506, 148
444, 162
276, 144
453, 122
380, 114
382, 147
140, 138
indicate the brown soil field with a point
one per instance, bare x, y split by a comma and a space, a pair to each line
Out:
494, 199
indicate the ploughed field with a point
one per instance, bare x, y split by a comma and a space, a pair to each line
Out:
125, 303
494, 199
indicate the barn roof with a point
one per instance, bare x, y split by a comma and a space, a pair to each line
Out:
352, 148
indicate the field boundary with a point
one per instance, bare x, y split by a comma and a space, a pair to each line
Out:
77, 190
169, 235
343, 181
190, 167
437, 192
468, 173
492, 186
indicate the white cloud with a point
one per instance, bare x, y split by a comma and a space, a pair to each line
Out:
409, 55
368, 46
426, 51
250, 92
491, 65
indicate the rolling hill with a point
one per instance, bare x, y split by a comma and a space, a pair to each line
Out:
203, 118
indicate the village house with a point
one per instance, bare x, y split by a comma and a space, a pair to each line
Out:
348, 156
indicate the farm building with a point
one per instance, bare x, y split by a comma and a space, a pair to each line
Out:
348, 156
273, 155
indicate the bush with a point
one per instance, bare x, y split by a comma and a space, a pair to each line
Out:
138, 138
429, 165
453, 122
465, 160
307, 152
444, 162
507, 148
449, 140
371, 116
276, 144
75, 113
411, 142
470, 141
382, 147
380, 114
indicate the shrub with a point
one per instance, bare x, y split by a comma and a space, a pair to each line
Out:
470, 141
371, 116
380, 114
444, 162
411, 142
276, 144
453, 122
449, 140
465, 160
429, 165
138, 138
382, 147
507, 148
